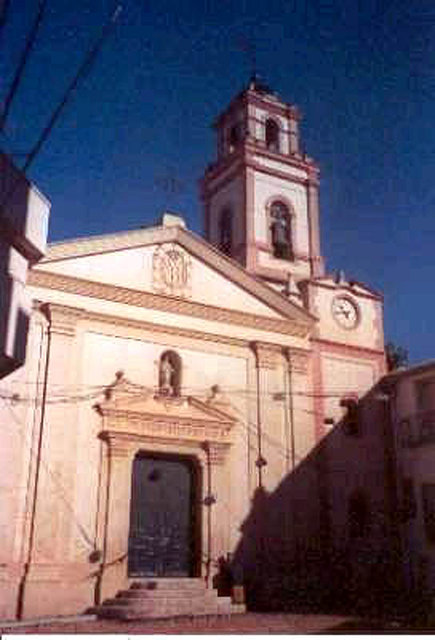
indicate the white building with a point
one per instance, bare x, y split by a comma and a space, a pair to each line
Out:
167, 369
23, 235
411, 393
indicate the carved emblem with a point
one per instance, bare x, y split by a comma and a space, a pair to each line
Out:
172, 271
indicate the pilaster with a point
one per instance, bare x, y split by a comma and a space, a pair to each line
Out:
120, 453
266, 359
317, 263
54, 493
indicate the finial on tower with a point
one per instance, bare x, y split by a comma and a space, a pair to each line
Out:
248, 46
256, 83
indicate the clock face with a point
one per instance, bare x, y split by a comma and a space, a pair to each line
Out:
345, 311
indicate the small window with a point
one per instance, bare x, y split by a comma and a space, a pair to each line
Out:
170, 374
234, 136
351, 422
272, 135
358, 515
409, 503
406, 433
226, 232
281, 232
425, 394
428, 498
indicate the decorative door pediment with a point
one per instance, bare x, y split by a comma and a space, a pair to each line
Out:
131, 412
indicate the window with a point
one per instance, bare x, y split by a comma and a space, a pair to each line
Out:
358, 515
428, 498
409, 504
425, 399
272, 135
425, 394
170, 374
226, 232
234, 136
351, 422
280, 228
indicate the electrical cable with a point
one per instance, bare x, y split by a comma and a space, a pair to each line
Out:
4, 10
60, 489
95, 389
83, 70
30, 41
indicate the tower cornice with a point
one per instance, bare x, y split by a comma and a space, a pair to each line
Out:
245, 154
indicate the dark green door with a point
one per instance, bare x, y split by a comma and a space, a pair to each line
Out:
162, 517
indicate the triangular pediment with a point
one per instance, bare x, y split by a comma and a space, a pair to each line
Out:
141, 261
124, 398
136, 415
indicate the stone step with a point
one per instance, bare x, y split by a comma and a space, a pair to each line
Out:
156, 593
167, 610
166, 598
155, 584
127, 600
165, 593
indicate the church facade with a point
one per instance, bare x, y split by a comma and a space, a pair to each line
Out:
173, 381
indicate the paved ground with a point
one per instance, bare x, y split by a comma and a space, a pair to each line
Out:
249, 623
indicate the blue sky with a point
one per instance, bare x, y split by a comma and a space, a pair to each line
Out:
362, 73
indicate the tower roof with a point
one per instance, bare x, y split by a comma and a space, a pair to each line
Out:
256, 83
258, 90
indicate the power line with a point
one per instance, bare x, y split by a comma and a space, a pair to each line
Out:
4, 9
60, 392
31, 38
56, 483
83, 70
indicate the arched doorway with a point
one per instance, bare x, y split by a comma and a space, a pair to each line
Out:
164, 537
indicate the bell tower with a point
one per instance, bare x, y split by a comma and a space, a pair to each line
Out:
260, 197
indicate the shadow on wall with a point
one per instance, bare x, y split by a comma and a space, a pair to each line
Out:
328, 538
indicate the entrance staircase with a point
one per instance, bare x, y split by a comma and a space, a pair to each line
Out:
166, 598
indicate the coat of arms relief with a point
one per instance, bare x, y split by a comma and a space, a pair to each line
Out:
172, 271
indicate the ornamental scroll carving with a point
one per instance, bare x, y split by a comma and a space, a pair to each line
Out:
172, 269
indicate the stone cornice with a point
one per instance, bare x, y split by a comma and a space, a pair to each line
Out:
123, 445
131, 416
79, 286
344, 347
269, 102
91, 245
143, 325
357, 289
246, 155
62, 321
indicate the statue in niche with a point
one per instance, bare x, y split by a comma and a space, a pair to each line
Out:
169, 374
